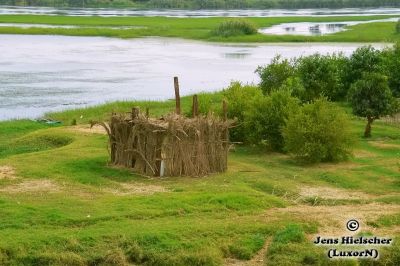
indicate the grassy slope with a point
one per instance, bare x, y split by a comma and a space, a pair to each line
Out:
198, 28
197, 222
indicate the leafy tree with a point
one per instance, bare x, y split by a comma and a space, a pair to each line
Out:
275, 74
267, 116
371, 98
391, 62
318, 132
322, 75
364, 59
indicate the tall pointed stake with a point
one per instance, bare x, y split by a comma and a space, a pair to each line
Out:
177, 96
226, 131
225, 110
195, 106
135, 112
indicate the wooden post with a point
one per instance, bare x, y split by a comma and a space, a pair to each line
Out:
147, 113
177, 96
195, 106
135, 112
226, 133
225, 110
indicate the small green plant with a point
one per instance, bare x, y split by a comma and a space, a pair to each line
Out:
318, 132
234, 27
293, 233
135, 253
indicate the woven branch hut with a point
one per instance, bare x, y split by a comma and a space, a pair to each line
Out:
171, 146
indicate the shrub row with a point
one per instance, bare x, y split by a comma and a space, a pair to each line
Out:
314, 132
292, 110
369, 79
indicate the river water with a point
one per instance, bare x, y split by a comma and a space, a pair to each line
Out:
315, 28
48, 73
198, 13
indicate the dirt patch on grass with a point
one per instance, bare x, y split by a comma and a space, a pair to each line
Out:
363, 154
136, 188
332, 219
32, 186
96, 129
384, 145
332, 223
338, 166
7, 172
332, 193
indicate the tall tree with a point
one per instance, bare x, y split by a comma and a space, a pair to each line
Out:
372, 98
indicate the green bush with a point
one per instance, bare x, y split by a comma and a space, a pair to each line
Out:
275, 74
240, 98
295, 86
398, 26
318, 132
321, 75
234, 27
267, 116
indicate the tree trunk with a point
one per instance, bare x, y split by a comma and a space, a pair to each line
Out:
367, 133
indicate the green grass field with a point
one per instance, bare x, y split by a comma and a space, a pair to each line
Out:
198, 28
62, 204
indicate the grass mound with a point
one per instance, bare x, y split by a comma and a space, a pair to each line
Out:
34, 143
235, 27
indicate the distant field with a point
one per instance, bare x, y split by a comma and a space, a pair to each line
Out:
199, 28
62, 204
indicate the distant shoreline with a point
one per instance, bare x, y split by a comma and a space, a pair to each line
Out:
198, 28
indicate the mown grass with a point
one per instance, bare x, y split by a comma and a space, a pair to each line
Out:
197, 221
199, 28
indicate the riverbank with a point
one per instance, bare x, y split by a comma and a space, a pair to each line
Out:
61, 204
198, 28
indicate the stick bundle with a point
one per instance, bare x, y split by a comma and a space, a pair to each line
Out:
171, 146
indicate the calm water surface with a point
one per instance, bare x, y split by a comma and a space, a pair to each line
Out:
315, 28
47, 73
199, 13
